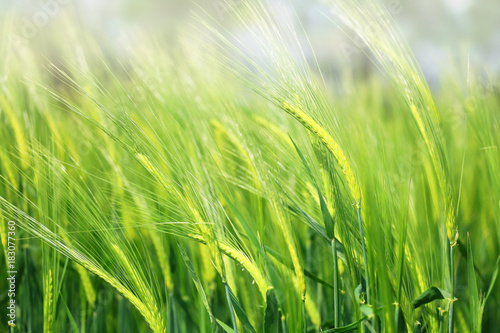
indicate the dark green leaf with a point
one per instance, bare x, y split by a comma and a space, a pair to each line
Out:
272, 317
225, 327
72, 322
313, 224
431, 294
493, 279
400, 321
240, 312
196, 280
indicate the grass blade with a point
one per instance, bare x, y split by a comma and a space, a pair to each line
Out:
196, 280
431, 294
239, 311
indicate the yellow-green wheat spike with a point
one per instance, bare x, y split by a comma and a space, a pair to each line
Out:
48, 299
154, 315
163, 260
243, 260
22, 145
332, 146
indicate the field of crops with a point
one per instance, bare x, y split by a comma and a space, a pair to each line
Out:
230, 186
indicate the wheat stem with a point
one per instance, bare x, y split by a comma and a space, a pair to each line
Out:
335, 286
365, 257
231, 310
451, 318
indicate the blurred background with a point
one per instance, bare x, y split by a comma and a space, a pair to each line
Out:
439, 32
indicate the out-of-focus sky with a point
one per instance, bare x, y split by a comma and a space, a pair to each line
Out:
438, 31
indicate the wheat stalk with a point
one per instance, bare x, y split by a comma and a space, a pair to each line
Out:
330, 144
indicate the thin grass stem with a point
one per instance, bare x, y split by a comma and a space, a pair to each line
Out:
451, 317
365, 257
335, 286
231, 310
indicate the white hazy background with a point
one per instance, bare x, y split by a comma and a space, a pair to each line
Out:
440, 32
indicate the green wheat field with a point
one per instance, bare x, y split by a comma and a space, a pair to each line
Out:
221, 185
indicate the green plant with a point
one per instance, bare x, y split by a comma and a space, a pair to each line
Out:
155, 193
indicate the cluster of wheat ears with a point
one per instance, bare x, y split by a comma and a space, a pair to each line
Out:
222, 187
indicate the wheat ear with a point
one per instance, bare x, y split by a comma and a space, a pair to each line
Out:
330, 144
